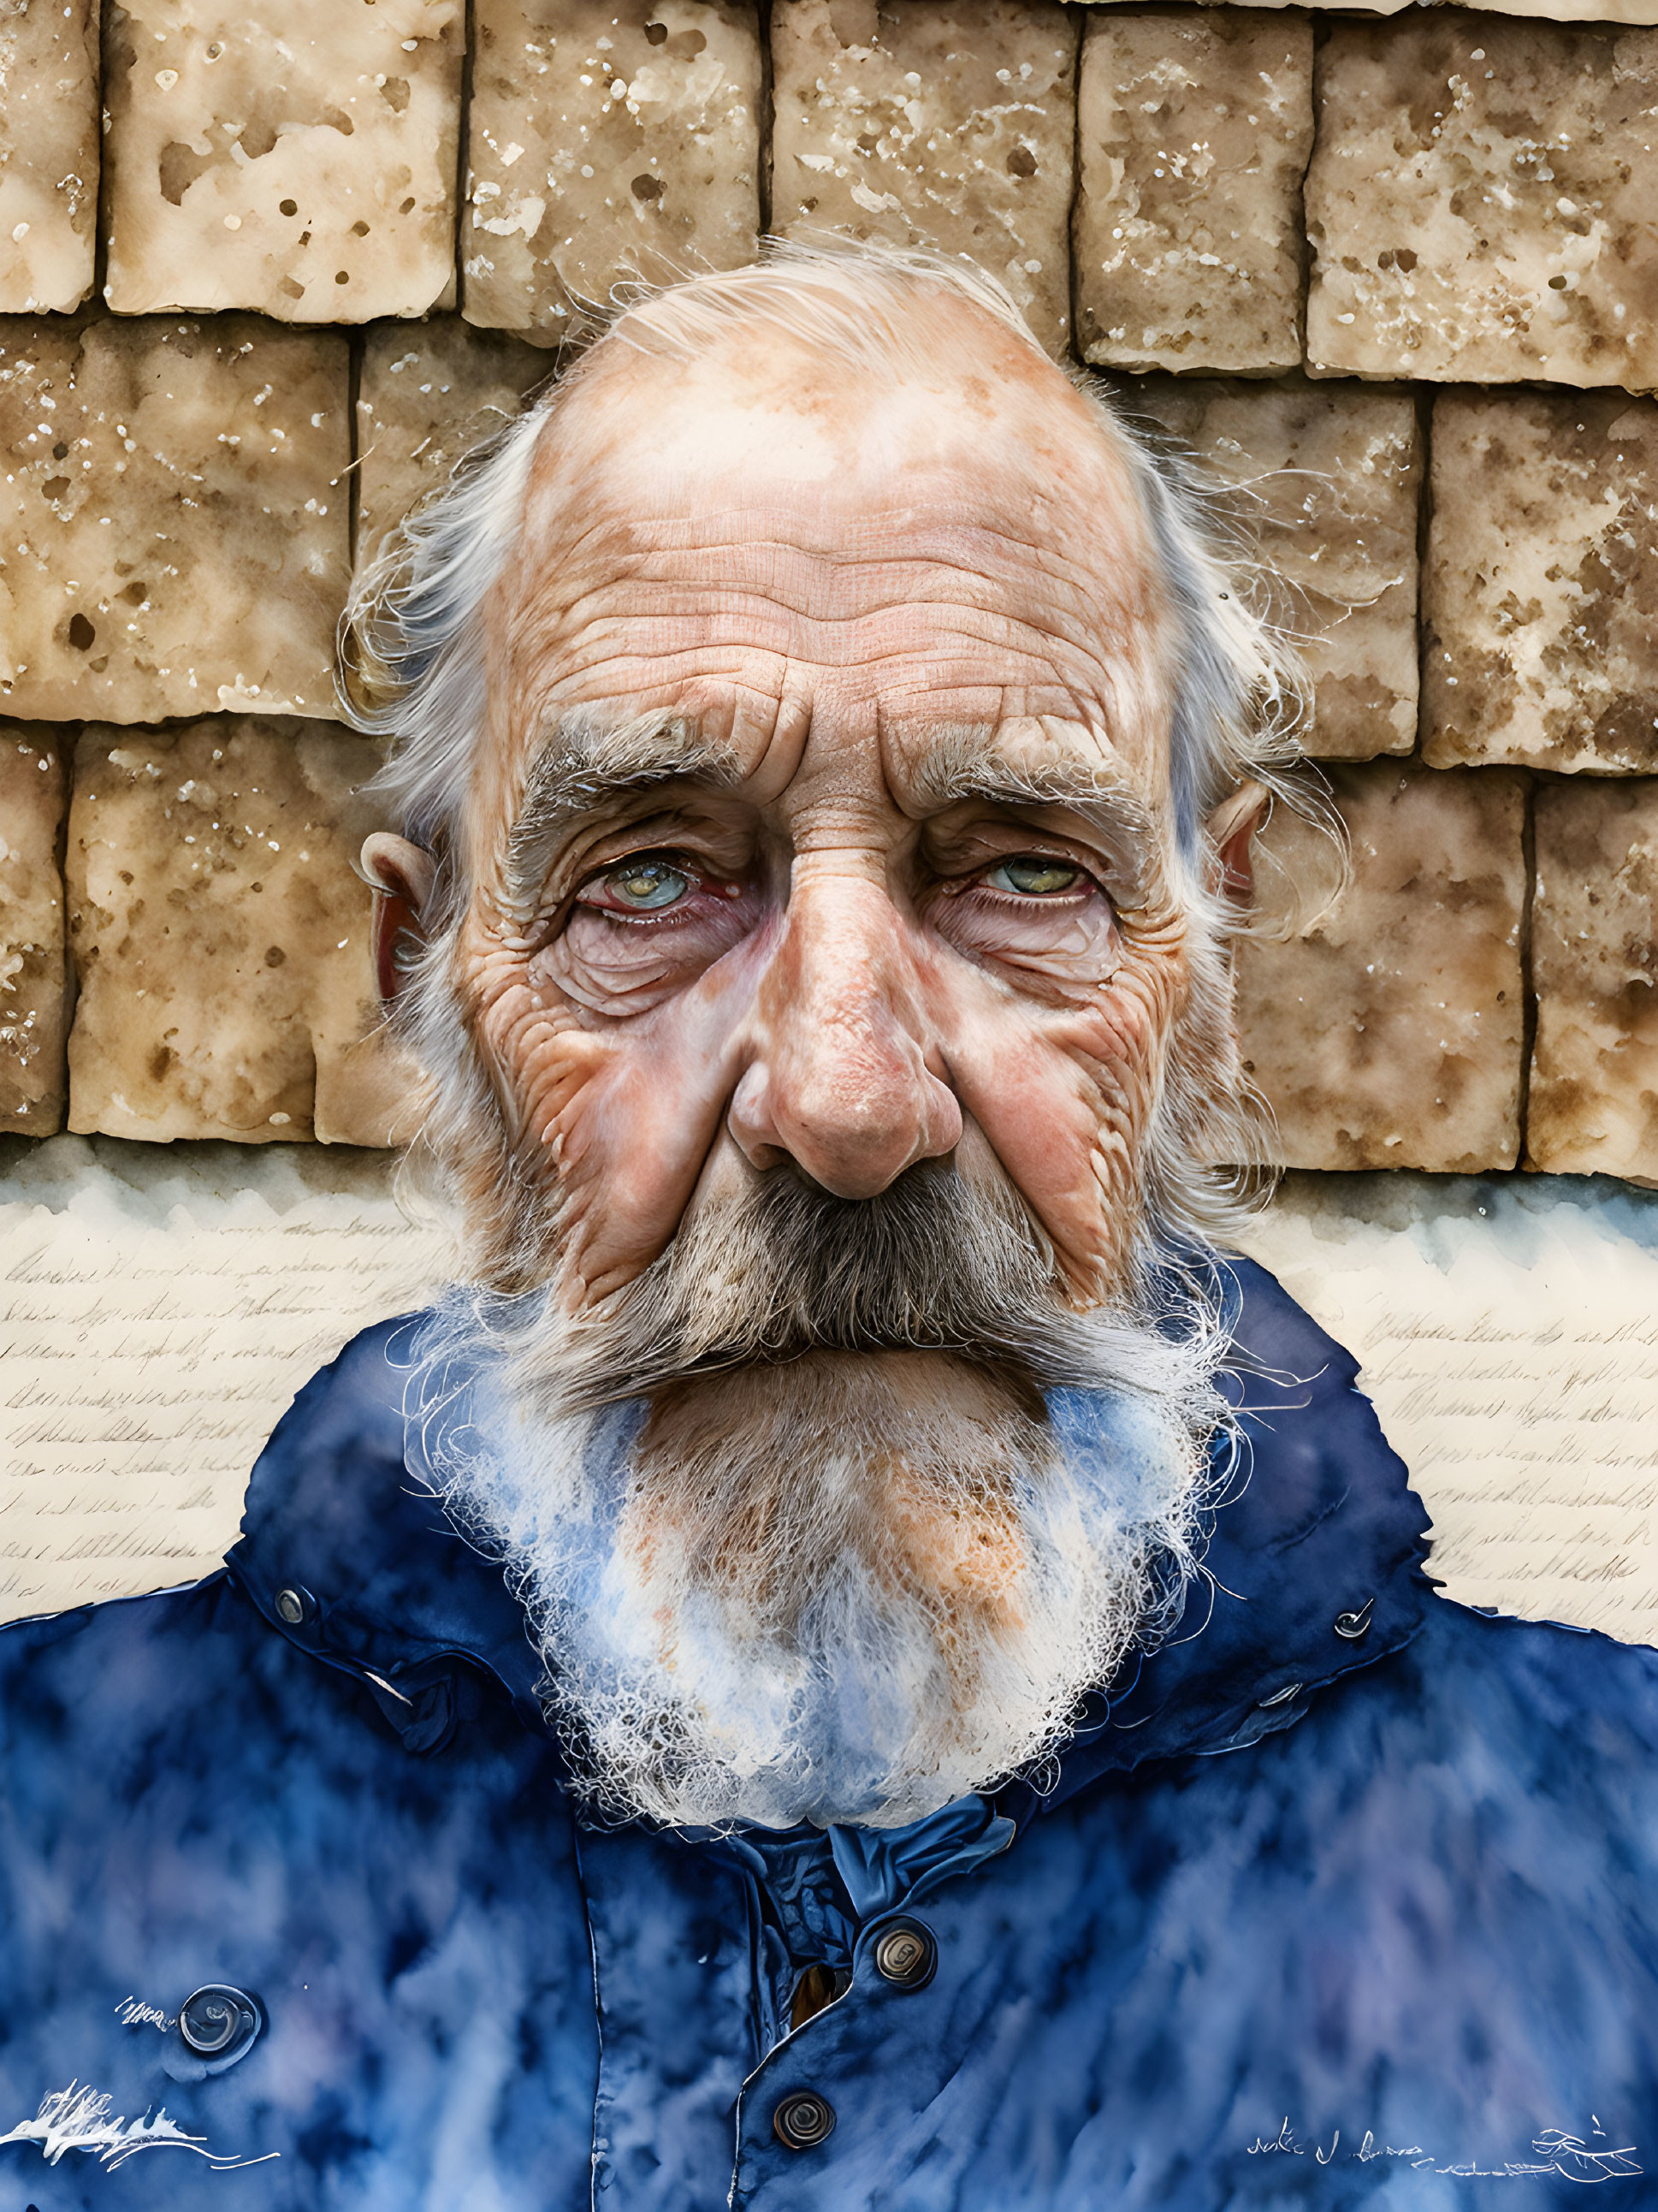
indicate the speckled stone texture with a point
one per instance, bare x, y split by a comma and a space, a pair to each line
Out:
427, 396
1329, 481
173, 534
34, 969
1193, 131
1564, 11
1554, 11
1594, 1105
48, 153
221, 938
297, 156
940, 123
609, 140
1482, 202
1542, 582
1389, 1034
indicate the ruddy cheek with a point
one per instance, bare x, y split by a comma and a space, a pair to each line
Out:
1120, 1044
1064, 1095
1026, 1084
626, 1113
537, 1056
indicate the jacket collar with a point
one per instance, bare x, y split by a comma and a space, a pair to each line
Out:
1312, 1568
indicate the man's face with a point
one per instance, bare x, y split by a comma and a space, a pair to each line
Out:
868, 864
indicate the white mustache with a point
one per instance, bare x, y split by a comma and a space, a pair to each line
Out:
936, 1263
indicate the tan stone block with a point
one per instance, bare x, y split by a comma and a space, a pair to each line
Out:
48, 154
1389, 1033
174, 528
938, 123
297, 156
222, 937
1194, 131
1552, 11
1555, 11
608, 140
1542, 581
1330, 479
1482, 202
34, 964
428, 394
1593, 1102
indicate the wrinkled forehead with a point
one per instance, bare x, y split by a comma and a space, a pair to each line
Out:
786, 554
970, 424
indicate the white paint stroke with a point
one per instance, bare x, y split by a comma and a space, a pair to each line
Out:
80, 2119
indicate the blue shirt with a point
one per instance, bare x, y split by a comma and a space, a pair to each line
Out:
1347, 1896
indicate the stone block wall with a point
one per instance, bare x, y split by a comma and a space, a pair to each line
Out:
267, 270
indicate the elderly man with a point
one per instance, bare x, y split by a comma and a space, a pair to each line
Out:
857, 1662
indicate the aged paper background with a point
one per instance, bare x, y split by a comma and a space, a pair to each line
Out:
1508, 1335
162, 1304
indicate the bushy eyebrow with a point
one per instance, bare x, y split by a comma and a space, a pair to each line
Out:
585, 762
581, 765
958, 766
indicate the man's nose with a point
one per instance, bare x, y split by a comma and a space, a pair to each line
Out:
839, 1080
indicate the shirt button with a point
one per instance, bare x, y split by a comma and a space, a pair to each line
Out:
905, 1954
803, 2120
220, 2023
1352, 1627
294, 1605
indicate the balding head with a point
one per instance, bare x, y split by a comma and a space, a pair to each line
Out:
865, 320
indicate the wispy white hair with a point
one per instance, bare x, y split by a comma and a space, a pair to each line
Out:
413, 652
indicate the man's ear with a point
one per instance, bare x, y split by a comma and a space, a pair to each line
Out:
1230, 832
400, 876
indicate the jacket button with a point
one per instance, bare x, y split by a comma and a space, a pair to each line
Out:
906, 1954
1351, 1627
294, 1605
219, 2022
803, 2120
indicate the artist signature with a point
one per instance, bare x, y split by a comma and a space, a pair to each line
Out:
1577, 2158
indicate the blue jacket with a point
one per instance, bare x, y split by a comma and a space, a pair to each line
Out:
1350, 1898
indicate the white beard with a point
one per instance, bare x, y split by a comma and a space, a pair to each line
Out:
854, 1586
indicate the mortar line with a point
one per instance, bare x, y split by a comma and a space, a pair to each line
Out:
1321, 31
357, 344
66, 742
102, 208
464, 151
1078, 20
1527, 976
765, 120
1423, 396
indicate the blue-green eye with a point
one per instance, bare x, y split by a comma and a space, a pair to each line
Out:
647, 885
1034, 876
